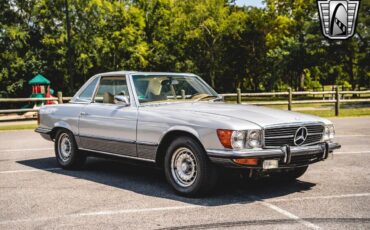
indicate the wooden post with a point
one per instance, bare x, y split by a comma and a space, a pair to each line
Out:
290, 98
323, 95
238, 96
183, 94
337, 101
60, 97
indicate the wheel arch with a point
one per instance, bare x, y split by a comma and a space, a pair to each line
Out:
59, 126
170, 136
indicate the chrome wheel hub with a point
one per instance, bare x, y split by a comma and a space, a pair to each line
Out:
64, 147
184, 167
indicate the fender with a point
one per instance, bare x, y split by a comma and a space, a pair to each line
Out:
65, 125
180, 128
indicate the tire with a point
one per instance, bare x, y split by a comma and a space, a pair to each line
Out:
188, 169
293, 174
66, 152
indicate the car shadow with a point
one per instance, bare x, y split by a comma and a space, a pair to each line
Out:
148, 180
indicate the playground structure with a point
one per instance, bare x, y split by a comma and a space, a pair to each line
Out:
40, 89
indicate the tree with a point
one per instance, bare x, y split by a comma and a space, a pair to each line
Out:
251, 48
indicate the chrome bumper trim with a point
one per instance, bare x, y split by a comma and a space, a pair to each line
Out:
285, 151
42, 130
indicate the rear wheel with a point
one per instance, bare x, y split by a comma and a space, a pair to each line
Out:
187, 168
66, 152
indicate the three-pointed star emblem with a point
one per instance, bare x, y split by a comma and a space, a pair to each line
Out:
300, 136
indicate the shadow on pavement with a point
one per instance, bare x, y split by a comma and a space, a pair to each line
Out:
148, 180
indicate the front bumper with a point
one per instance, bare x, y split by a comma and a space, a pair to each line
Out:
44, 132
288, 156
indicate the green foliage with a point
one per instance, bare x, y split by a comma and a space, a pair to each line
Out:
256, 49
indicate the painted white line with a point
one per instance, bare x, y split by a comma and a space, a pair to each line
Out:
286, 213
20, 150
319, 197
170, 208
336, 153
104, 213
101, 213
29, 170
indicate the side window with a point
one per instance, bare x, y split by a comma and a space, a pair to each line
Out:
110, 87
141, 87
87, 94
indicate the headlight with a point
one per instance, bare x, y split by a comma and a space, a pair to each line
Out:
237, 140
329, 133
254, 139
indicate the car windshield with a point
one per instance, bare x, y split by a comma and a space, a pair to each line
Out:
168, 88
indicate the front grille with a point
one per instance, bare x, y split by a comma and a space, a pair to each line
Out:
279, 136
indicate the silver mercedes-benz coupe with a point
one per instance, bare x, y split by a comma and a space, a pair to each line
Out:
179, 122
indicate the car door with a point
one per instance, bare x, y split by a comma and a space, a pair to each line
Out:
106, 125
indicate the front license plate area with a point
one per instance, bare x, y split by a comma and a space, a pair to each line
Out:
270, 164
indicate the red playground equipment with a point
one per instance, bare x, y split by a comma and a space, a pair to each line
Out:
40, 89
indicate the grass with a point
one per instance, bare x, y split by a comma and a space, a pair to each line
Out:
317, 109
311, 105
342, 113
18, 127
327, 110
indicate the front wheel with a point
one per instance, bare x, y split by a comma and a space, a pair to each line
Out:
66, 152
187, 168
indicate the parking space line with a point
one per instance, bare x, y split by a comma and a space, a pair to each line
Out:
21, 150
101, 213
170, 208
285, 213
319, 197
359, 152
124, 211
29, 170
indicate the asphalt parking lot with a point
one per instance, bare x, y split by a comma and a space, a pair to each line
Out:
36, 194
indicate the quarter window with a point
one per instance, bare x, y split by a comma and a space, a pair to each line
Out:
110, 87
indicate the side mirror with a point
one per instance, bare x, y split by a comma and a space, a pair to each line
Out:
121, 100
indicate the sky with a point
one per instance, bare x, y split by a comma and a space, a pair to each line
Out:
257, 3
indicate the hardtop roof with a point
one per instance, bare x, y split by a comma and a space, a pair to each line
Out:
143, 73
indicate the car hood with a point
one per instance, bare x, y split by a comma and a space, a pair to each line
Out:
261, 116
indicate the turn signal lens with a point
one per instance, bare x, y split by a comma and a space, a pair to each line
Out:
246, 161
225, 137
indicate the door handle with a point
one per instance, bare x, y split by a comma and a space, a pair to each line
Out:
83, 114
